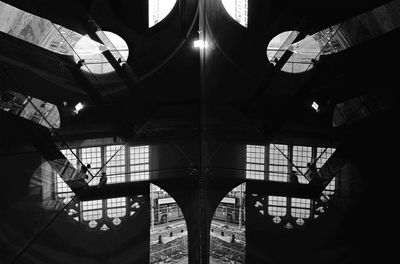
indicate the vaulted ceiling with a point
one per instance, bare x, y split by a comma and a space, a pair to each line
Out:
230, 84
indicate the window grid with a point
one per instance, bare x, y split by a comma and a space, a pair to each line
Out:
63, 190
324, 157
277, 205
300, 208
92, 210
301, 156
278, 163
92, 156
255, 159
116, 207
115, 168
139, 158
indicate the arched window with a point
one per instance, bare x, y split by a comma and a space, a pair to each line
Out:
278, 163
158, 10
289, 212
228, 228
300, 157
119, 163
238, 10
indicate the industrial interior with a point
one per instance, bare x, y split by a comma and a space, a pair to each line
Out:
198, 131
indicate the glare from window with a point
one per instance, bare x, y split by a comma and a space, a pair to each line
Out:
158, 10
238, 10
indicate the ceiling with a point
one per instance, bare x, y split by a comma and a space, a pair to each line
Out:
167, 84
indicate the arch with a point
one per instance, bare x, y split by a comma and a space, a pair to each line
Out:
105, 214
168, 230
228, 228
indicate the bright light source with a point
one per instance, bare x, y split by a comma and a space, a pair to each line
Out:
201, 44
78, 107
315, 106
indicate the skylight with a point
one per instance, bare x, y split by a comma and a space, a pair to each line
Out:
158, 10
43, 33
33, 109
298, 61
96, 62
238, 10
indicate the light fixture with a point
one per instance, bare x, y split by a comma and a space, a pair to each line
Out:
201, 44
79, 106
315, 106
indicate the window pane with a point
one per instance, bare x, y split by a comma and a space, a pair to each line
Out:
301, 156
115, 168
278, 163
277, 205
140, 163
255, 158
92, 210
92, 156
300, 207
116, 207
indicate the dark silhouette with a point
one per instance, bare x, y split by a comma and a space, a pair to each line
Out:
293, 177
85, 169
312, 172
103, 180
